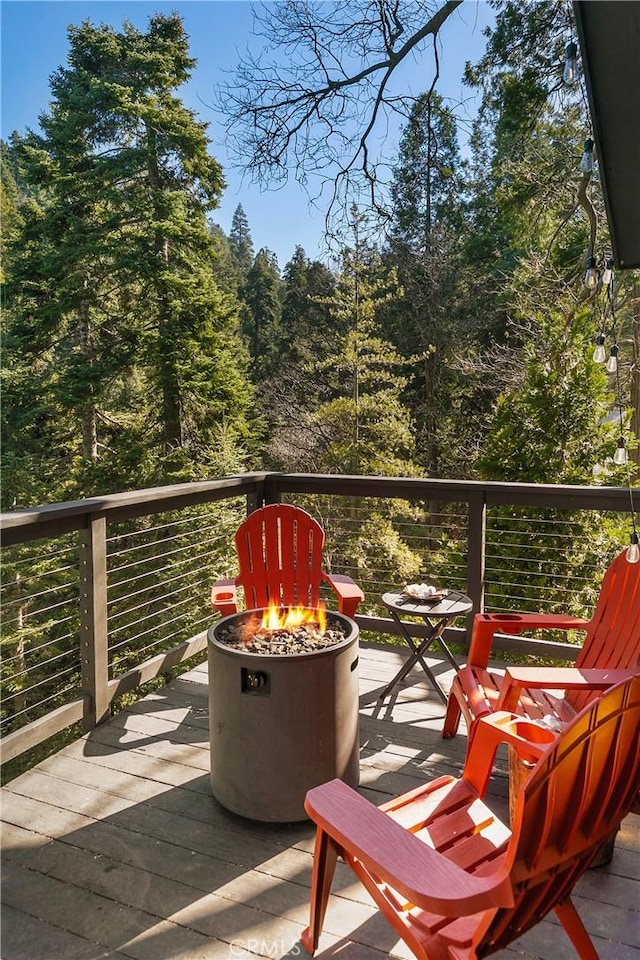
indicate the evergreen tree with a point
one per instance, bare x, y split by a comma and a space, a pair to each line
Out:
307, 331
240, 242
261, 318
363, 426
223, 265
550, 426
427, 184
423, 248
10, 215
111, 284
307, 325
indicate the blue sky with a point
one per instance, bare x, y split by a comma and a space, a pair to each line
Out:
34, 45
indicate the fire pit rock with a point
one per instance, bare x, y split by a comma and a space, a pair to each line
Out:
283, 712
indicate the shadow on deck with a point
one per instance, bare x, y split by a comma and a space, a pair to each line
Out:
115, 847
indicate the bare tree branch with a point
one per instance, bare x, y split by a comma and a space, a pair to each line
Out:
319, 99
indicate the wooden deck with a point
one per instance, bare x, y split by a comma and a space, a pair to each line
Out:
115, 847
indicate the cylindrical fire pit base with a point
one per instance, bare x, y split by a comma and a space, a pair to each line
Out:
281, 724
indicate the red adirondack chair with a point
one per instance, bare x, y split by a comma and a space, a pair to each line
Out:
279, 550
612, 642
452, 880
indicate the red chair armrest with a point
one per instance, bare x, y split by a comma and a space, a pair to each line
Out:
347, 590
555, 678
224, 597
422, 875
485, 625
529, 739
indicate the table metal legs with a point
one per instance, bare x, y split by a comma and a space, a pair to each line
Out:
417, 653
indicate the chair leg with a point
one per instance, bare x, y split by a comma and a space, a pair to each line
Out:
575, 929
451, 717
324, 864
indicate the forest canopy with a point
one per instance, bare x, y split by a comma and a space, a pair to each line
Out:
144, 345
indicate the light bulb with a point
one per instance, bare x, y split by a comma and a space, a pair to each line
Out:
598, 354
591, 276
586, 163
633, 550
620, 456
570, 72
607, 273
612, 362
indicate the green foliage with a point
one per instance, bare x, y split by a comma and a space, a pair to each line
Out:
240, 242
307, 324
261, 316
429, 323
426, 188
562, 398
379, 550
362, 426
111, 299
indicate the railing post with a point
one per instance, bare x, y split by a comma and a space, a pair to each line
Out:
93, 621
476, 535
257, 498
271, 489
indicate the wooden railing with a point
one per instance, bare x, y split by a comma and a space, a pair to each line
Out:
90, 522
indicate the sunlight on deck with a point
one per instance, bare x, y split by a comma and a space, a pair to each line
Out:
115, 847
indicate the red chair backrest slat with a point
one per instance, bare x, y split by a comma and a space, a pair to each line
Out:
279, 551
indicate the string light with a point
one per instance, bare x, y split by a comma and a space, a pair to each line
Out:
607, 273
591, 275
587, 160
620, 456
599, 354
612, 362
570, 72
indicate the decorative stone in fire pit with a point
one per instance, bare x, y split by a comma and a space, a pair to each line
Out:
283, 708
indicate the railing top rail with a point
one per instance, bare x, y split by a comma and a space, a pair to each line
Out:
573, 497
57, 518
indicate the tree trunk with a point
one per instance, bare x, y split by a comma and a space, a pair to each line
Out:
171, 416
167, 374
87, 411
430, 418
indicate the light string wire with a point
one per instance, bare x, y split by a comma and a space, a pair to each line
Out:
633, 550
611, 297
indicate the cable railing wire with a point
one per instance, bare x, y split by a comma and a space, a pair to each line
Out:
159, 576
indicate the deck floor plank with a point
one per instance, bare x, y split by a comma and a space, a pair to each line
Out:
115, 848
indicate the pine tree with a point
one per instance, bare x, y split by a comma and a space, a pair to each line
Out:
363, 424
307, 327
533, 219
111, 285
261, 318
240, 242
422, 247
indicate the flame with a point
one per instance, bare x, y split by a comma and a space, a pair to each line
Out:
276, 618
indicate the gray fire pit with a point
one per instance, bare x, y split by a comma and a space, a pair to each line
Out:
281, 724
